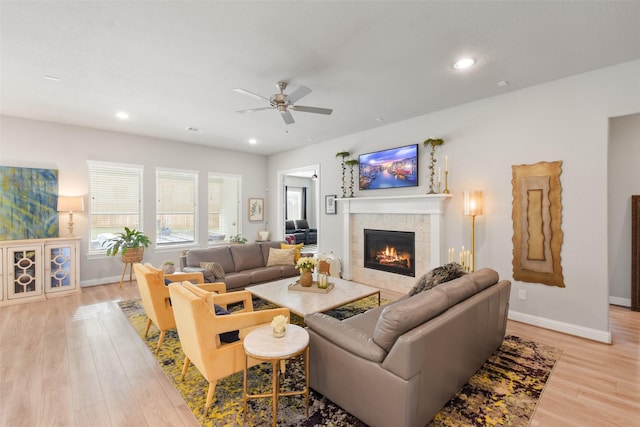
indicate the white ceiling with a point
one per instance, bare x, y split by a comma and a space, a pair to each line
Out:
173, 64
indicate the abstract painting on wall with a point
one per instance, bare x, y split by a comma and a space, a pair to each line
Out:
537, 223
28, 203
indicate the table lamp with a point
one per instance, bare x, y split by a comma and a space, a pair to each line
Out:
71, 205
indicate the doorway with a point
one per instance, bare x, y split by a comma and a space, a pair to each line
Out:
299, 200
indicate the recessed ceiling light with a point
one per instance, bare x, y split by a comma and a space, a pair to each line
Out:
122, 115
52, 78
310, 139
503, 83
464, 63
379, 119
253, 141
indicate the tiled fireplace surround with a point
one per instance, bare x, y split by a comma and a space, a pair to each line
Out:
421, 214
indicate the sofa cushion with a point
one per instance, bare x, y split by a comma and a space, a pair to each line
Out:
438, 275
405, 315
345, 336
458, 290
247, 257
297, 247
484, 278
264, 274
221, 255
238, 280
215, 268
281, 257
265, 246
227, 337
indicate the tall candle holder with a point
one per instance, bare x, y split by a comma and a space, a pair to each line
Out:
446, 182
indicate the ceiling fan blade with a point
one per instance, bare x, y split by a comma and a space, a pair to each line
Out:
287, 117
252, 110
254, 95
297, 94
316, 110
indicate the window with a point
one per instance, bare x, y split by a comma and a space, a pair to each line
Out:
222, 207
115, 201
176, 206
296, 203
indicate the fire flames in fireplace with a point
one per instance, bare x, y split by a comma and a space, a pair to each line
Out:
391, 251
389, 256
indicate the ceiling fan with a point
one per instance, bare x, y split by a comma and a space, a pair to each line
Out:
283, 102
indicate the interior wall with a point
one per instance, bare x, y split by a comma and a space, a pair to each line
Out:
30, 143
623, 182
564, 120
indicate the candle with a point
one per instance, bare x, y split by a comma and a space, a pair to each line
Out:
446, 163
439, 176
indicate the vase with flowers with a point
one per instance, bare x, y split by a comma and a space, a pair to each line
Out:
279, 325
305, 266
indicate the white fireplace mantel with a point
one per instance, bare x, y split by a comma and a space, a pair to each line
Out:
421, 204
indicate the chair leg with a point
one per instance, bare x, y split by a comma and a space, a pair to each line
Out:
283, 365
212, 389
160, 340
146, 331
184, 368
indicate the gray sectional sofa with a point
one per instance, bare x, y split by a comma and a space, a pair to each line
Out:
398, 364
244, 265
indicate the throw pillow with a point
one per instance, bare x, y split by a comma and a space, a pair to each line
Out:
438, 275
296, 247
281, 257
215, 269
226, 337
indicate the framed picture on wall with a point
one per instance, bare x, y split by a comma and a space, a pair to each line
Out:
256, 209
330, 204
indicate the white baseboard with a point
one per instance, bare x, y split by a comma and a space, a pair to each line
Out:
623, 302
101, 281
567, 328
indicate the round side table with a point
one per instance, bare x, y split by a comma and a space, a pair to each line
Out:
260, 344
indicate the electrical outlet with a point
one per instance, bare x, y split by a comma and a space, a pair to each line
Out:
522, 294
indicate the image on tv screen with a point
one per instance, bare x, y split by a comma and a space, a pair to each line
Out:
396, 167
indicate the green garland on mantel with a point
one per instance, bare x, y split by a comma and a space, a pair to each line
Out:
343, 155
433, 142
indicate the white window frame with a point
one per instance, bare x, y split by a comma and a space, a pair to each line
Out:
164, 240
132, 173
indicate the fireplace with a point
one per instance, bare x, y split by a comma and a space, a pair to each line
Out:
391, 251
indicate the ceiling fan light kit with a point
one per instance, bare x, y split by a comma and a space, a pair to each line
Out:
283, 102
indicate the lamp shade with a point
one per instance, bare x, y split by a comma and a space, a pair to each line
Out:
70, 204
472, 203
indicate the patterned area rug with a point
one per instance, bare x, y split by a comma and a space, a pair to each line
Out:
504, 391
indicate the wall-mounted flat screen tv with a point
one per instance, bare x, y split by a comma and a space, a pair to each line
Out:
396, 167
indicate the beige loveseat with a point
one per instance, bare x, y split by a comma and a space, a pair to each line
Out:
243, 265
398, 364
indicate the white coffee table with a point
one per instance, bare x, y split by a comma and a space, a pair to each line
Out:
302, 303
262, 345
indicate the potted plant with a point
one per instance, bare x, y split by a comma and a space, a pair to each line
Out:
168, 267
238, 238
131, 243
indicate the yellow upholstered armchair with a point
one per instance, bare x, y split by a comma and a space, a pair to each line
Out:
155, 295
199, 328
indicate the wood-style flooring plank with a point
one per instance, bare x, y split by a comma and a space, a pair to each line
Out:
76, 361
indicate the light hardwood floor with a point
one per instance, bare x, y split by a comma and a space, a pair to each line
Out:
75, 361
